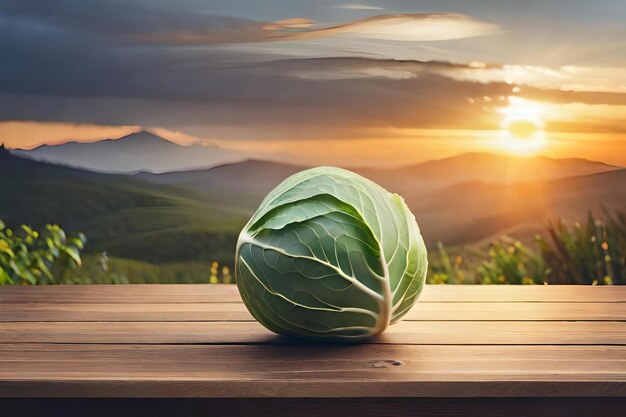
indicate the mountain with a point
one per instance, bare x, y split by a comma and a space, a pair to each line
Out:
252, 179
469, 212
241, 184
124, 216
416, 180
475, 166
459, 200
141, 151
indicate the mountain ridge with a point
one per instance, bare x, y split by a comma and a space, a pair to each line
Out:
145, 151
134, 152
139, 135
260, 176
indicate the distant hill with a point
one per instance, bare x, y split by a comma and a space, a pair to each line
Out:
135, 152
242, 183
250, 180
416, 180
475, 166
119, 214
459, 200
470, 212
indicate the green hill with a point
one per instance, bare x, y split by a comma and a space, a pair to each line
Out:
124, 216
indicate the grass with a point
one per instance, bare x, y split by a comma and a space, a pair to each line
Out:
102, 269
590, 253
587, 254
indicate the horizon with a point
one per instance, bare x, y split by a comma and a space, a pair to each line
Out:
246, 158
374, 83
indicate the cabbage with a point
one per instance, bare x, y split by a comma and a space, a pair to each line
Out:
330, 255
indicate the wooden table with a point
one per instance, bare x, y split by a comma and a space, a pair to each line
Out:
194, 350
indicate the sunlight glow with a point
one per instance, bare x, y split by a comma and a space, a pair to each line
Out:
521, 128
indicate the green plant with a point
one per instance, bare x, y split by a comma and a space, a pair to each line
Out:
94, 271
592, 253
446, 270
330, 254
510, 262
32, 257
215, 277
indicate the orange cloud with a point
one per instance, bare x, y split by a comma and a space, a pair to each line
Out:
29, 134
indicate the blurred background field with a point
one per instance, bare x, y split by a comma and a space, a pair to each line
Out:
592, 252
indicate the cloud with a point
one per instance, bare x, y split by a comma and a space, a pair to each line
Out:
598, 85
120, 19
408, 27
214, 94
166, 24
294, 23
175, 136
262, 104
342, 68
29, 134
356, 6
392, 27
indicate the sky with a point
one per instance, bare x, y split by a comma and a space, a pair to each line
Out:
326, 81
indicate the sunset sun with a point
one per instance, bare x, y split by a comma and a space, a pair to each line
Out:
521, 127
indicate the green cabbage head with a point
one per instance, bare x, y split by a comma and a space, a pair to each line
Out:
330, 255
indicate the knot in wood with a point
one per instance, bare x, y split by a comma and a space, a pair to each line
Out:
386, 363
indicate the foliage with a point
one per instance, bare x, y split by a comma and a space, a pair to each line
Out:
510, 262
28, 256
215, 277
592, 253
329, 254
446, 270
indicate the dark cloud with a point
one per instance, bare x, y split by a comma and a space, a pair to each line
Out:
193, 89
122, 19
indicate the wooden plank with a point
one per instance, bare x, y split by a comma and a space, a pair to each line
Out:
406, 332
125, 312
198, 293
495, 311
316, 371
524, 293
317, 407
144, 293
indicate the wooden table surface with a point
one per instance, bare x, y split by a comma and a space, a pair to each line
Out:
522, 349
